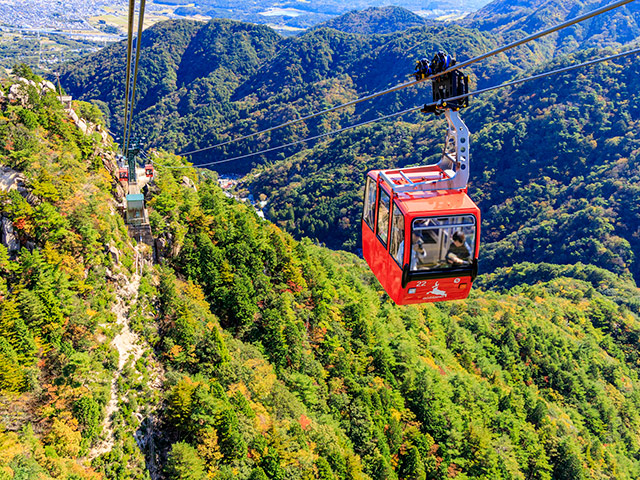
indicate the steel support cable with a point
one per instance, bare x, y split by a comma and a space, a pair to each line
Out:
132, 5
433, 104
304, 140
466, 63
135, 70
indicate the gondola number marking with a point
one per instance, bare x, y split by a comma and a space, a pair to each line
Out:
422, 283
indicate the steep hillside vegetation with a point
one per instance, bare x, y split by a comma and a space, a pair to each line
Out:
284, 360
57, 283
344, 385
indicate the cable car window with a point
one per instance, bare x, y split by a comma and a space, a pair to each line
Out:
397, 235
369, 210
383, 216
442, 242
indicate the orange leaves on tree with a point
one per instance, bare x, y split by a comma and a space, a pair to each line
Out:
175, 351
20, 223
305, 422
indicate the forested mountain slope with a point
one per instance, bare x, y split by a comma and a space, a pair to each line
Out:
202, 83
521, 17
186, 66
57, 283
282, 359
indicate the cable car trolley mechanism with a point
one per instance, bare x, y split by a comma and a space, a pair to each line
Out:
420, 229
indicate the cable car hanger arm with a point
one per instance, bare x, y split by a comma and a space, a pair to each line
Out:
452, 170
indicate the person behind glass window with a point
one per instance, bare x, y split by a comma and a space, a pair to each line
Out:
418, 253
458, 253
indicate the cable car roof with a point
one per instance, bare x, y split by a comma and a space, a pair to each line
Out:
426, 202
442, 202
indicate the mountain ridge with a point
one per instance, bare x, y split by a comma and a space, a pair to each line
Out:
376, 20
280, 80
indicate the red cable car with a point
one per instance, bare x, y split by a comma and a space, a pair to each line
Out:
420, 230
148, 170
123, 174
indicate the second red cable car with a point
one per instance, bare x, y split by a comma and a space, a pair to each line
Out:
420, 229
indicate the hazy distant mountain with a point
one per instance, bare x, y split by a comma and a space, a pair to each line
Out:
376, 20
293, 17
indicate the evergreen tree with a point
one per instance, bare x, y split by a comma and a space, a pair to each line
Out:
411, 467
184, 463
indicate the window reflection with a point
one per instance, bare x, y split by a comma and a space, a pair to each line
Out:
397, 235
442, 242
383, 217
369, 210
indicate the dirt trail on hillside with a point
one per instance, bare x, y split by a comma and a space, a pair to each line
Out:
127, 344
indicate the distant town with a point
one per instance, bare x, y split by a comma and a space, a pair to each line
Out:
43, 33
71, 17
52, 14
105, 20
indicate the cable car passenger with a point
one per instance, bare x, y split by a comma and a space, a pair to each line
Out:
418, 252
458, 253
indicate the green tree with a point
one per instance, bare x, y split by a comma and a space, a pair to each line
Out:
230, 440
11, 375
88, 413
258, 474
324, 470
411, 466
184, 463
567, 464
